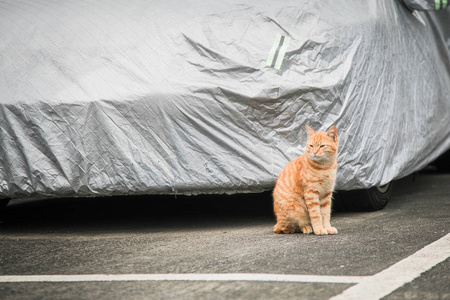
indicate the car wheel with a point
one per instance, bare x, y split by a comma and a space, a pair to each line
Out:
372, 199
443, 162
3, 203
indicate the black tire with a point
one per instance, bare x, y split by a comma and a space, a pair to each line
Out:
443, 162
3, 203
373, 199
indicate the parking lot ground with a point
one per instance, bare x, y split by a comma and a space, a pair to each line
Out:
219, 245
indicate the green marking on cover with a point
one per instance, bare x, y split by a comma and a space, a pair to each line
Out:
278, 51
282, 52
273, 50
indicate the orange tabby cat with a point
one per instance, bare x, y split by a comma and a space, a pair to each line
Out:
302, 194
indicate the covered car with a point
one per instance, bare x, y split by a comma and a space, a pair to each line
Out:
102, 98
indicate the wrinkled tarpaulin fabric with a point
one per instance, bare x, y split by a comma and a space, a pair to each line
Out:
148, 97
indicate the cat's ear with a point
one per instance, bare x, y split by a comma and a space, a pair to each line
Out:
309, 130
332, 133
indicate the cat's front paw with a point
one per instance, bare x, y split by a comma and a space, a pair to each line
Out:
321, 231
331, 230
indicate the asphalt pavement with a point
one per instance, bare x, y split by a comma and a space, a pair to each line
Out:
210, 236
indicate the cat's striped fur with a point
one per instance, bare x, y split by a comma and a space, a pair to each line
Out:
302, 194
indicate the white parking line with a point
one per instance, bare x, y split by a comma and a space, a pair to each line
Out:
367, 287
183, 277
383, 283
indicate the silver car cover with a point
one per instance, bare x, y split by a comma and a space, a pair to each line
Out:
185, 97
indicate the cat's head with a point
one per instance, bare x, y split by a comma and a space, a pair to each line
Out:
322, 147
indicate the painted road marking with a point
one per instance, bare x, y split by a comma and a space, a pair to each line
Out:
367, 287
183, 277
394, 277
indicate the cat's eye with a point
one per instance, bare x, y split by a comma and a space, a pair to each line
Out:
311, 146
321, 146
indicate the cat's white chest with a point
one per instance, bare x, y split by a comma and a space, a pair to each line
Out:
327, 184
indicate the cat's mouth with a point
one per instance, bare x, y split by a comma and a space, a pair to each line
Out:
318, 158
